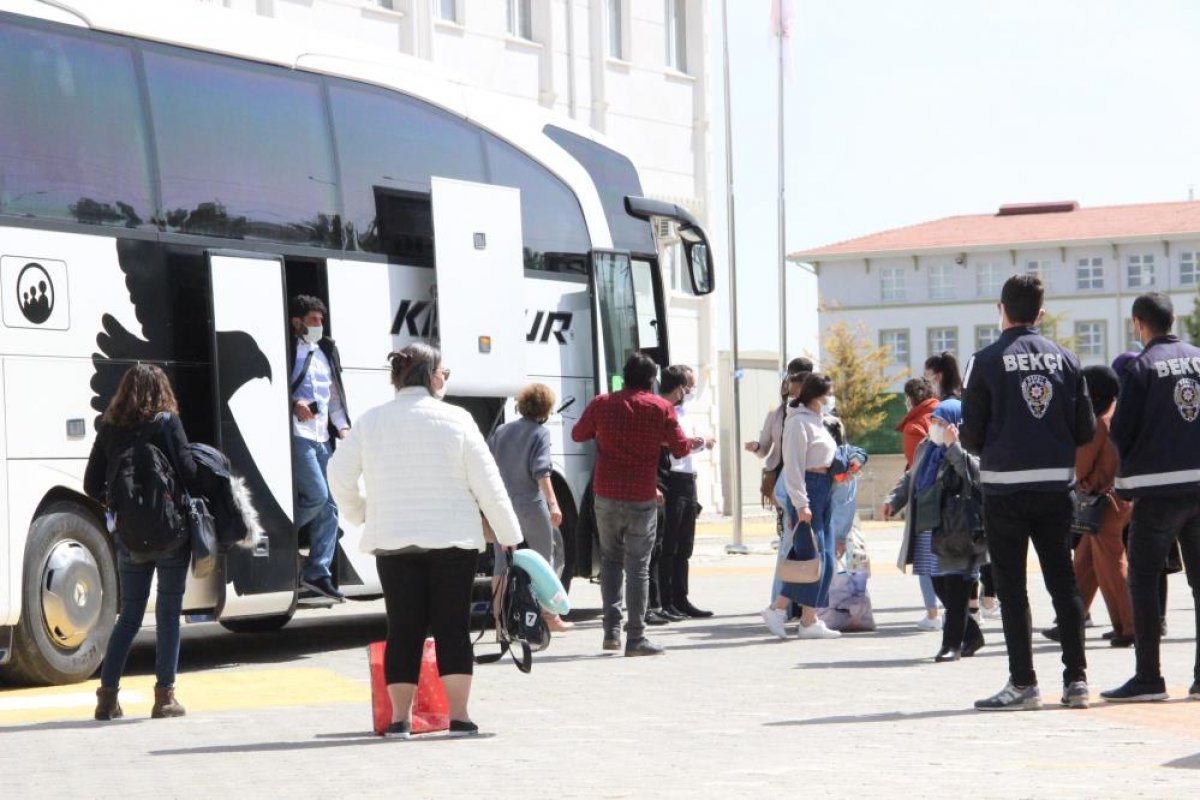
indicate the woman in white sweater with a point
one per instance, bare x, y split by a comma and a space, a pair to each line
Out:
428, 474
808, 450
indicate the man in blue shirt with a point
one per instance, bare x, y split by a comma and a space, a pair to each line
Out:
318, 416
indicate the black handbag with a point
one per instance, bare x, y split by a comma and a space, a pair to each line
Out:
1087, 512
201, 525
961, 534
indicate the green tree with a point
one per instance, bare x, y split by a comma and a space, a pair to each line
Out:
859, 370
1189, 324
1053, 327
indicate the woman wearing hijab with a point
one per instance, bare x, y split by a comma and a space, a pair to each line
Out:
920, 491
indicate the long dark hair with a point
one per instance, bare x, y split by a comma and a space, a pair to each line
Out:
946, 365
144, 393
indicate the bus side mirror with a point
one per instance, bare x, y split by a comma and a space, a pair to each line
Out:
699, 258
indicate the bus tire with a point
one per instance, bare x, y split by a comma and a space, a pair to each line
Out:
256, 624
567, 532
69, 599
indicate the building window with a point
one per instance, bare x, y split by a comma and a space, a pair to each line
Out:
943, 340
1140, 271
677, 35
1187, 268
941, 282
986, 335
447, 10
1089, 273
520, 18
989, 279
1089, 339
896, 341
615, 29
891, 284
1039, 267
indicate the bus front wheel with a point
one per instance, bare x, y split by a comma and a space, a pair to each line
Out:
69, 599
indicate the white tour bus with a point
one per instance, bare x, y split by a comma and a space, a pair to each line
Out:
161, 200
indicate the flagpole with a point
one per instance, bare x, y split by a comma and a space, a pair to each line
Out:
783, 342
735, 446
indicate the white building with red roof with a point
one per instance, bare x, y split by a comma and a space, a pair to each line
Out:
934, 286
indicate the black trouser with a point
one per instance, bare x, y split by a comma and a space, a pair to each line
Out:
425, 593
654, 596
679, 538
1012, 521
958, 628
1157, 523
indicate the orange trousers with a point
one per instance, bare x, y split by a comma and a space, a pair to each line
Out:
1100, 564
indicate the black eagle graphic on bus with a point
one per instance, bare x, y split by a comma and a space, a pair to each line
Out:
169, 294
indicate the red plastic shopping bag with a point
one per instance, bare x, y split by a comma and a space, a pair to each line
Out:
430, 710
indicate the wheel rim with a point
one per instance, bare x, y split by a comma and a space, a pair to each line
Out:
72, 594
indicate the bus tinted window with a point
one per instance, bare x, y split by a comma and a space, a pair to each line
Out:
615, 177
551, 221
243, 151
72, 145
388, 147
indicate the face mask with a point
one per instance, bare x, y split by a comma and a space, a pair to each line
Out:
688, 395
937, 435
827, 404
314, 334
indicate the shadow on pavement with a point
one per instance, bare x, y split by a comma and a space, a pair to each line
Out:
322, 742
1187, 762
888, 716
70, 725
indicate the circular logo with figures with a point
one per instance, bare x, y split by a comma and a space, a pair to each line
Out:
1187, 399
35, 293
1038, 391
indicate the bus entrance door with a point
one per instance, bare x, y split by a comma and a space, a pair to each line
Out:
623, 310
250, 380
480, 266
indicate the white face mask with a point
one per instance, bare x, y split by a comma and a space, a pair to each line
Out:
314, 334
937, 435
827, 404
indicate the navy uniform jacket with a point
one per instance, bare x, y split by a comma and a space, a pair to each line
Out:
1155, 426
1025, 411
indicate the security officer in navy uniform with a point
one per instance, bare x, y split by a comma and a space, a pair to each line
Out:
1156, 429
1025, 411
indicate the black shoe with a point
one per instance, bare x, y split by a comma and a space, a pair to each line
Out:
459, 727
398, 730
947, 654
1121, 641
655, 616
1053, 634
1109, 634
324, 587
1136, 690
673, 614
690, 610
643, 647
612, 643
1194, 692
972, 647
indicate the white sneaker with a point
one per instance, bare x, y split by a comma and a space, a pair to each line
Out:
930, 624
991, 613
818, 630
775, 618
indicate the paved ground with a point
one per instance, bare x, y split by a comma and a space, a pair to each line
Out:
727, 712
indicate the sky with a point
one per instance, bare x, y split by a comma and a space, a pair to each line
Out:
904, 112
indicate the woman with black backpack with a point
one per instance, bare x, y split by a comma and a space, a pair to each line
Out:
131, 473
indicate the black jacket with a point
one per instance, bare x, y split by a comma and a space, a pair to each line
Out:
1156, 426
329, 348
1025, 411
111, 441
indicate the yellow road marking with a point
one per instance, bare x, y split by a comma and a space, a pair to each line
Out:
198, 691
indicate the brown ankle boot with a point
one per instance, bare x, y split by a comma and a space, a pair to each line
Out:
165, 704
107, 705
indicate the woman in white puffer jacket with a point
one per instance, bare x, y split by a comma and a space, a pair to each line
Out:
428, 474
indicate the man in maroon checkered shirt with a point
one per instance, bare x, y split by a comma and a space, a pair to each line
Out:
630, 427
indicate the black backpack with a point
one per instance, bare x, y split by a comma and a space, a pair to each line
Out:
521, 623
145, 496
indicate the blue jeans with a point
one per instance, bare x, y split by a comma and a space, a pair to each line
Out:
315, 508
928, 594
135, 593
815, 595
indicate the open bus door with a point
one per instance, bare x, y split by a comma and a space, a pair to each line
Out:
628, 315
250, 381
